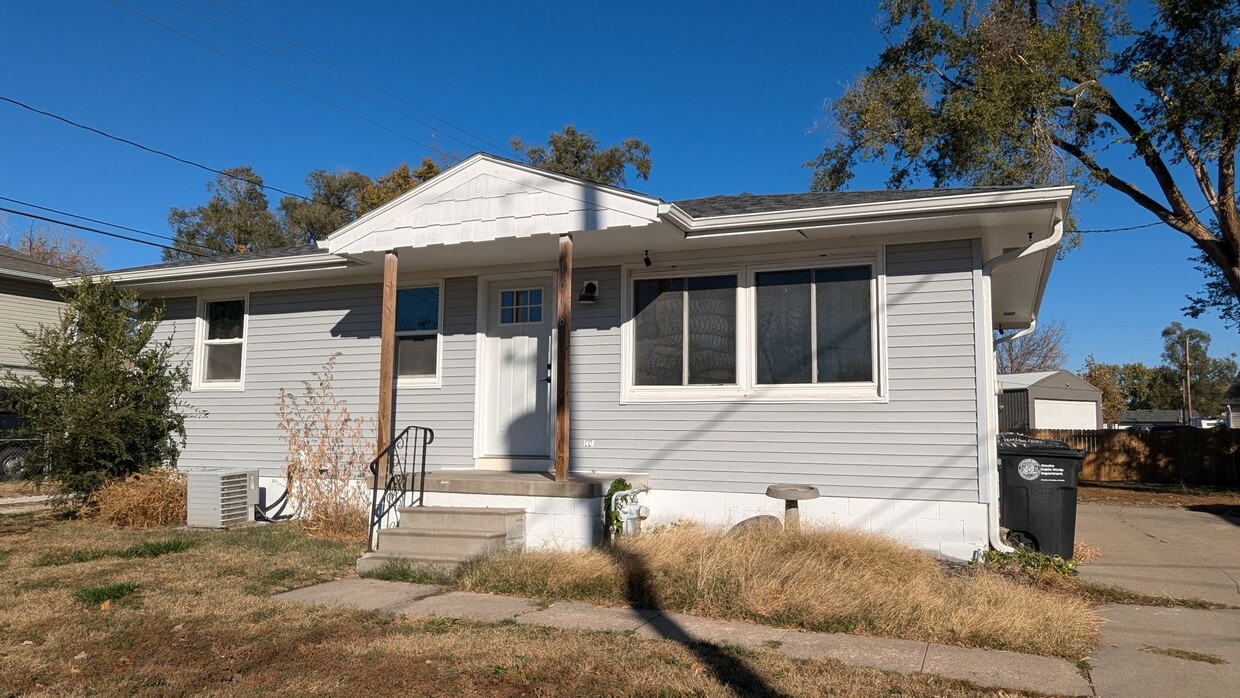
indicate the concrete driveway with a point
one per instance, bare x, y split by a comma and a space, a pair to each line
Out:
1154, 651
1163, 552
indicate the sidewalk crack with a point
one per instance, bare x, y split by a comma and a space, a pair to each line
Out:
925, 653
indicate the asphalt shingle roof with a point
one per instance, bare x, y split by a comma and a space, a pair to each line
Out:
24, 265
711, 206
274, 253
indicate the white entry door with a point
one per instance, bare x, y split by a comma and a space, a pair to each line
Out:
516, 397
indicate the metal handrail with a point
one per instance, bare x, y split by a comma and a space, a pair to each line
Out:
391, 489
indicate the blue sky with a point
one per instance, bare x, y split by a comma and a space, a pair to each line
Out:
726, 94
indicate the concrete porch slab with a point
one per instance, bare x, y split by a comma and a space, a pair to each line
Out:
522, 484
364, 594
459, 604
579, 616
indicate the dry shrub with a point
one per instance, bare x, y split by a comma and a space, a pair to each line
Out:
143, 500
825, 580
1085, 553
328, 453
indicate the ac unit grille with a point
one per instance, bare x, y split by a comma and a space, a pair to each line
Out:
219, 498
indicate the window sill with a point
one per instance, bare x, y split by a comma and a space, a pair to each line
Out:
236, 387
418, 383
758, 394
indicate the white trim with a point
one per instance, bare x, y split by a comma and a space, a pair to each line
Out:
746, 387
930, 204
481, 399
215, 269
421, 382
198, 368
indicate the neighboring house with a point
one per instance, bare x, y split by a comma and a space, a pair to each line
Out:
1048, 400
718, 345
1231, 405
27, 300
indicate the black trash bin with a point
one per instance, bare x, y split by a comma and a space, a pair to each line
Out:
1037, 500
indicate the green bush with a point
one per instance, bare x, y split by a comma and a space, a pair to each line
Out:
105, 398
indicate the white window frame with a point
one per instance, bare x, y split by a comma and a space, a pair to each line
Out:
436, 380
499, 305
747, 387
198, 378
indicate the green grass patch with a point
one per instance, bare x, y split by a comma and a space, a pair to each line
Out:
144, 549
405, 571
106, 592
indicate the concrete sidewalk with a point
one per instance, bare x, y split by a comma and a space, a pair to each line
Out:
23, 505
990, 668
1163, 552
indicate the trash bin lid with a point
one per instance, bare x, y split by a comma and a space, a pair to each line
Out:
1012, 440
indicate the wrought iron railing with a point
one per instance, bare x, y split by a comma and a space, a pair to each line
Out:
399, 472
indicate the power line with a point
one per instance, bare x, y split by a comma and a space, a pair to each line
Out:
1136, 227
96, 220
316, 71
166, 154
361, 79
46, 264
78, 226
280, 80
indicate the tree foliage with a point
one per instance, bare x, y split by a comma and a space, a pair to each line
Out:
1106, 377
238, 218
577, 154
1033, 92
1046, 349
105, 399
59, 248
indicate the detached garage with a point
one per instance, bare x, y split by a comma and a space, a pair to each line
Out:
1048, 400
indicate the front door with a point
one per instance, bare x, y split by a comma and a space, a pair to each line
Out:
516, 396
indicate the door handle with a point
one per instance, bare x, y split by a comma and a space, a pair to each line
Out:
548, 378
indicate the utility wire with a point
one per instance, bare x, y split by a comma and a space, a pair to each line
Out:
1136, 227
78, 226
280, 80
6, 255
166, 154
320, 73
96, 220
361, 79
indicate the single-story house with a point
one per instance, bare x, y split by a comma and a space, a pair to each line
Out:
1129, 419
707, 348
1048, 400
27, 300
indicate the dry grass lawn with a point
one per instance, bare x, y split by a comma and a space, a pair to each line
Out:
23, 488
824, 580
1217, 500
83, 614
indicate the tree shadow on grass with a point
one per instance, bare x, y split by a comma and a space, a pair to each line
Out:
727, 668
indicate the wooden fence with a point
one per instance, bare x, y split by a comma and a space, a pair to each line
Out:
1189, 456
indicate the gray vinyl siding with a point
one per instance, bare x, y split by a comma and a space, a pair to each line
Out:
291, 334
922, 444
23, 304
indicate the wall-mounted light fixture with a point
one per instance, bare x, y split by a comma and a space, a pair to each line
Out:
589, 293
646, 259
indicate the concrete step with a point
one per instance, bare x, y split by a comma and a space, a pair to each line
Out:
451, 544
510, 522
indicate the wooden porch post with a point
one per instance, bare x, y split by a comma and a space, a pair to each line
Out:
387, 353
564, 327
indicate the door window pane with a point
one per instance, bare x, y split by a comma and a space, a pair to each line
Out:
417, 356
417, 309
225, 319
223, 362
784, 344
843, 324
658, 322
712, 330
520, 306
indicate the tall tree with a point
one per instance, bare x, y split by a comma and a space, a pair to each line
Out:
1106, 377
1186, 348
577, 154
391, 185
1151, 387
1046, 349
59, 248
333, 203
235, 219
1004, 92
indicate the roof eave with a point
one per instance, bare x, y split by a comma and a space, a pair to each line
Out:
231, 269
677, 216
27, 275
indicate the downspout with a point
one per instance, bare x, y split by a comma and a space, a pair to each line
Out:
992, 471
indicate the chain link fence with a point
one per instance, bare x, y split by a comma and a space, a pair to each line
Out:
13, 454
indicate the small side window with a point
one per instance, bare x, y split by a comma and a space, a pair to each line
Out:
222, 352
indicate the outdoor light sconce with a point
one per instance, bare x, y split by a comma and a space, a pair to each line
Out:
646, 259
589, 293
